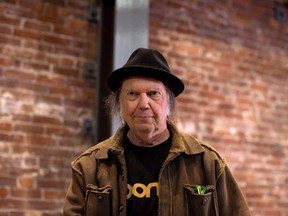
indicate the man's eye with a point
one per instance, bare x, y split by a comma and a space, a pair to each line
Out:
131, 93
154, 93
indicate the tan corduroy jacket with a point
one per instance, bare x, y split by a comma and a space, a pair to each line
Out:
99, 181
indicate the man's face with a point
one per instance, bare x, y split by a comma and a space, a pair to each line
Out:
144, 105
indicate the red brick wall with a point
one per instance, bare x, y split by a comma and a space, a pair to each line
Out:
44, 98
233, 57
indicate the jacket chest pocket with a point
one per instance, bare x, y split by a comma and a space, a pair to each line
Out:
98, 201
199, 204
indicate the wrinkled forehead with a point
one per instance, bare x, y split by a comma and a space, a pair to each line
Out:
142, 83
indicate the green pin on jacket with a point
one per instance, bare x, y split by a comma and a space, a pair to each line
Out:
200, 189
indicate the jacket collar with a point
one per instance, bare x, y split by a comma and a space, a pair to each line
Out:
184, 143
181, 143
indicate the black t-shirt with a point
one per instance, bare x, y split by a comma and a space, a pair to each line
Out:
144, 164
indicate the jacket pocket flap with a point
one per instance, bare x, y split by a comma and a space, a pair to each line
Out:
98, 200
199, 204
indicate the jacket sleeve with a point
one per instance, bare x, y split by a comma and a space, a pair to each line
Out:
75, 198
230, 198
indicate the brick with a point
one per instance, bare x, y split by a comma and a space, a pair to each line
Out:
57, 2
4, 148
60, 132
49, 19
71, 123
3, 192
11, 137
20, 193
34, 25
67, 71
56, 40
259, 87
89, 94
5, 30
48, 79
68, 51
245, 101
79, 103
55, 184
26, 182
29, 204
16, 74
8, 40
54, 194
5, 126
11, 1
49, 100
22, 117
9, 21
34, 87
27, 108
212, 96
37, 66
64, 31
38, 46
67, 61
40, 140
10, 204
61, 91
52, 60
46, 120
27, 34
80, 5
6, 62
29, 129
7, 181
52, 214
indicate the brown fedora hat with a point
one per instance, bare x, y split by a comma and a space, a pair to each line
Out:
147, 63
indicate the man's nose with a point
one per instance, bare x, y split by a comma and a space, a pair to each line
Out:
144, 101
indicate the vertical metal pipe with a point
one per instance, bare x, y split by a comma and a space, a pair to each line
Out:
105, 56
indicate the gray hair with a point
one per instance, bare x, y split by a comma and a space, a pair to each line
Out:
112, 103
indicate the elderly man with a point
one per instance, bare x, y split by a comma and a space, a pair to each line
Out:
148, 167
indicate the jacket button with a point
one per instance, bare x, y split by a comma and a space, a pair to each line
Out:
100, 197
121, 208
204, 201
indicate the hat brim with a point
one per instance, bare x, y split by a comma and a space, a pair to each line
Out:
115, 79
